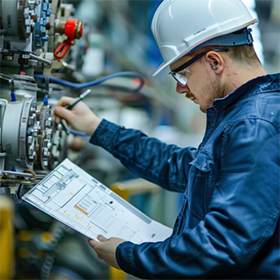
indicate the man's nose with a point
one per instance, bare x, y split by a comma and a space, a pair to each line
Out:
182, 89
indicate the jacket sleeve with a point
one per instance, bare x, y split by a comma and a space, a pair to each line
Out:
144, 156
241, 218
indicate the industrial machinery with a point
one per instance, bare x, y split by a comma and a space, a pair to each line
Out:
34, 36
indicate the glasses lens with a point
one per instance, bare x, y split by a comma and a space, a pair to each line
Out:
181, 79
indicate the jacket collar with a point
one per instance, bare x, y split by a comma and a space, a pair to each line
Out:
256, 86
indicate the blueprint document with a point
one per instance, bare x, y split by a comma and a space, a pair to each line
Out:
72, 196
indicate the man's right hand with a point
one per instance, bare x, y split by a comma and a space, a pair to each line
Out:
80, 118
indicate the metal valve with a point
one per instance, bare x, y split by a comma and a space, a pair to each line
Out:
73, 29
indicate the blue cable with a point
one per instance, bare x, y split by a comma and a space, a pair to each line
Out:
96, 82
91, 84
78, 133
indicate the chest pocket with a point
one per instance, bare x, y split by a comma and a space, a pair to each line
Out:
200, 187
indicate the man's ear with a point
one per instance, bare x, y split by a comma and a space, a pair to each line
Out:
216, 61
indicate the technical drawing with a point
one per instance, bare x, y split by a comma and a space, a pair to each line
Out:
77, 199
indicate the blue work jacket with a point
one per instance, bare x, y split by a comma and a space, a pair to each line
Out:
228, 225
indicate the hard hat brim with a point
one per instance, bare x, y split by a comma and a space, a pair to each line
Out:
162, 67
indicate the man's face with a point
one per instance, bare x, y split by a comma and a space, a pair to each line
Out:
203, 86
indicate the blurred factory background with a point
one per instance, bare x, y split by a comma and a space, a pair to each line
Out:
52, 48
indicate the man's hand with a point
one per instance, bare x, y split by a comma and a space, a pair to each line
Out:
106, 249
81, 118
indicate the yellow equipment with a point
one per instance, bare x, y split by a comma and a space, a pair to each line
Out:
6, 238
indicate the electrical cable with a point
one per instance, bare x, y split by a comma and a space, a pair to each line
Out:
91, 84
17, 196
77, 133
96, 82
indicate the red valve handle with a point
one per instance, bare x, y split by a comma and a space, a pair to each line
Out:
70, 28
73, 29
63, 48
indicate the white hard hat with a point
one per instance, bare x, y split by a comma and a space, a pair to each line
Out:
182, 26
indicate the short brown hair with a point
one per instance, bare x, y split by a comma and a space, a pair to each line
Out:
242, 54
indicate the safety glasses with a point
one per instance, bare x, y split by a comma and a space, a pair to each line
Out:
182, 78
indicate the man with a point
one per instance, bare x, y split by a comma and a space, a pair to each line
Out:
228, 225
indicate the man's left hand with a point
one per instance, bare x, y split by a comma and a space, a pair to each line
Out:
106, 249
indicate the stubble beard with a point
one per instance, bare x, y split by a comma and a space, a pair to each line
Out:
215, 91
